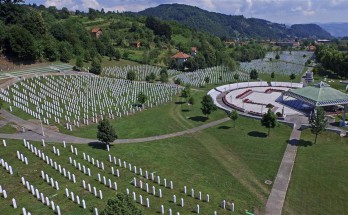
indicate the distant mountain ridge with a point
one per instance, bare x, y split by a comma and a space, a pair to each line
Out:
233, 26
336, 29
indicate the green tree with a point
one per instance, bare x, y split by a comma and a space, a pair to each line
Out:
191, 101
164, 77
141, 98
121, 205
186, 92
95, 67
253, 74
277, 57
272, 75
79, 62
236, 77
106, 133
292, 77
177, 81
152, 76
318, 122
207, 80
20, 43
269, 120
117, 55
208, 105
233, 115
131, 75
65, 51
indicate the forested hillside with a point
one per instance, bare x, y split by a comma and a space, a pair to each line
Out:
34, 33
233, 26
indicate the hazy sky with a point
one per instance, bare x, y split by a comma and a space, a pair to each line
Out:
281, 11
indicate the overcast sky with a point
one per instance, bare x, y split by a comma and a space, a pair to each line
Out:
280, 11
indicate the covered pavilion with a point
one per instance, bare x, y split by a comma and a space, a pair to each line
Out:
319, 95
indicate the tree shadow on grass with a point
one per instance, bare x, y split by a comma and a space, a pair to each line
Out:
224, 127
185, 110
303, 143
257, 134
179, 103
98, 145
199, 118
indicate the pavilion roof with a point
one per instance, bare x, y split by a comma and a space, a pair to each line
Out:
320, 94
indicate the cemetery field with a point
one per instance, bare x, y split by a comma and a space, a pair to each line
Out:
170, 117
209, 161
319, 180
107, 63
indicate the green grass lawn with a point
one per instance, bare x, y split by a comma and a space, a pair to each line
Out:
168, 118
225, 162
278, 77
8, 129
334, 83
319, 180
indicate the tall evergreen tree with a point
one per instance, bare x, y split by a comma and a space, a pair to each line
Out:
106, 133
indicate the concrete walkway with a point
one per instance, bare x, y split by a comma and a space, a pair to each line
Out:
276, 199
34, 133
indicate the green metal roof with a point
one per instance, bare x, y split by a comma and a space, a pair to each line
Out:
320, 94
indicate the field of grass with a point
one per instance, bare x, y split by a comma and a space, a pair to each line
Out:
319, 180
210, 161
167, 118
8, 129
278, 77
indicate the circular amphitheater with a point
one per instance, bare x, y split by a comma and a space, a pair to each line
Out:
255, 98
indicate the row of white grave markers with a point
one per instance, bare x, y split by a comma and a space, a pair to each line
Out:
41, 196
21, 157
55, 151
95, 162
81, 168
218, 74
141, 202
170, 211
73, 150
136, 182
199, 196
94, 191
25, 212
141, 71
49, 180
140, 172
81, 99
3, 192
145, 187
75, 198
116, 173
224, 205
49, 161
6, 166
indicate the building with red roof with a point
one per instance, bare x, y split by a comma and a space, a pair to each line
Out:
181, 57
97, 32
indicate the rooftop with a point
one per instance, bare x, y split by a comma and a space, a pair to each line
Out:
181, 55
320, 94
